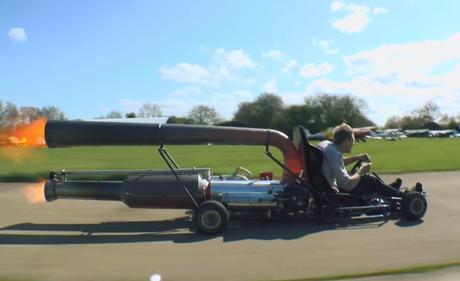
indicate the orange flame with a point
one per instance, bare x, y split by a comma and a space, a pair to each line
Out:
14, 140
28, 135
34, 192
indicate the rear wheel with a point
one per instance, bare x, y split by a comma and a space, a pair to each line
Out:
211, 217
414, 205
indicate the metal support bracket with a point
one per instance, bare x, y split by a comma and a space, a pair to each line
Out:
170, 162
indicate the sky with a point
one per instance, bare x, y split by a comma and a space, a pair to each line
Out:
91, 57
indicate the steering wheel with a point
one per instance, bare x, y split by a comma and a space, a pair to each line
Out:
355, 167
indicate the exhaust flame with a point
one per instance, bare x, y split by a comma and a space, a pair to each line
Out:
34, 193
15, 142
27, 135
155, 277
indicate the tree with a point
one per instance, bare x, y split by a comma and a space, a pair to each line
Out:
180, 120
149, 110
429, 112
28, 114
10, 115
52, 113
422, 118
411, 122
130, 115
452, 124
394, 122
2, 114
204, 115
264, 112
328, 110
295, 115
113, 115
245, 113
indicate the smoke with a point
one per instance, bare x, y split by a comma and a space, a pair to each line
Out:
34, 193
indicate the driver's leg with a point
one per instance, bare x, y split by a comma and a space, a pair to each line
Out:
370, 185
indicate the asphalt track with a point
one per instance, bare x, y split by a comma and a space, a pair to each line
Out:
93, 240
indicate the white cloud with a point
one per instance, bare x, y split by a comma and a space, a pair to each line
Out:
274, 55
379, 10
236, 59
401, 77
270, 86
352, 22
289, 65
212, 85
311, 70
326, 46
356, 17
355, 8
336, 6
408, 60
190, 90
17, 34
224, 69
185, 73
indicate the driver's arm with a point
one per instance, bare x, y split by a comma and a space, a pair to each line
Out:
354, 179
350, 159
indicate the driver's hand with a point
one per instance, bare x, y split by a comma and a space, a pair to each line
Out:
365, 168
365, 157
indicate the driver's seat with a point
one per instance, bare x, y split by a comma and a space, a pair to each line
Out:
312, 160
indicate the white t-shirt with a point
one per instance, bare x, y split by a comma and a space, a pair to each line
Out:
333, 167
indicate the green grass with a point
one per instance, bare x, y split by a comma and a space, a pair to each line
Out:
222, 159
399, 271
409, 270
410, 155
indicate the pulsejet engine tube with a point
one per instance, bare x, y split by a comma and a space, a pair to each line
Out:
135, 191
90, 133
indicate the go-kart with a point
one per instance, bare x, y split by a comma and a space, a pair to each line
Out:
411, 204
302, 192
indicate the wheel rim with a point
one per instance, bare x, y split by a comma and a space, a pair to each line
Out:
211, 219
417, 206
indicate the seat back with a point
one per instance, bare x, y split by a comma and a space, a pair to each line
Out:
312, 160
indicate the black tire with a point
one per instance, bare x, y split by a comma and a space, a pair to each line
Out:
211, 217
414, 205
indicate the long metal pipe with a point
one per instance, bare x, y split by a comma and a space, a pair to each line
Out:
82, 133
144, 191
96, 190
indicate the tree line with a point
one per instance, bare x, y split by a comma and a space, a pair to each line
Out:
316, 113
428, 116
12, 116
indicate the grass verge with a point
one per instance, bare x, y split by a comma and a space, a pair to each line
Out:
409, 155
399, 271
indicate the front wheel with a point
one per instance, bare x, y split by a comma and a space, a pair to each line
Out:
414, 205
211, 217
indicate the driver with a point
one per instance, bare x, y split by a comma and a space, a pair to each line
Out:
333, 168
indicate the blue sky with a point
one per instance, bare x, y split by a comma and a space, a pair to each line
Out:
91, 57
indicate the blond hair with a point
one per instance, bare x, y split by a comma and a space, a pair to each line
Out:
341, 133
